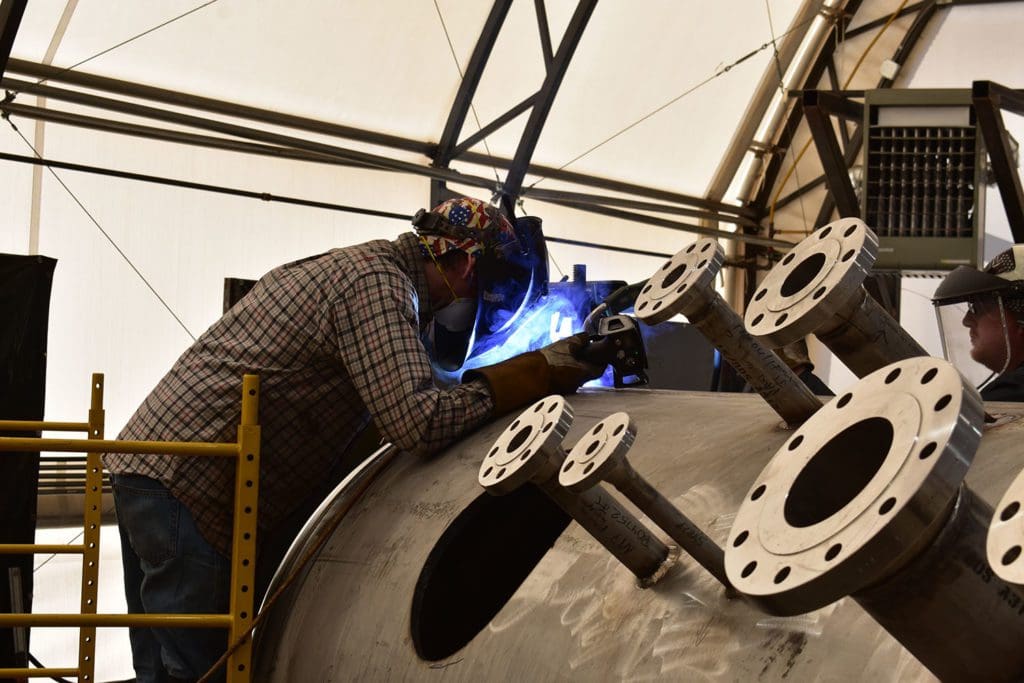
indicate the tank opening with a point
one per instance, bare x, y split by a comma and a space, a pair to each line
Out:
803, 274
838, 472
479, 562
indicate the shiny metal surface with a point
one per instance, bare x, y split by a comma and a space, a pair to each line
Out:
868, 337
813, 283
530, 450
1006, 534
867, 499
961, 621
685, 285
818, 288
328, 514
854, 490
601, 456
579, 614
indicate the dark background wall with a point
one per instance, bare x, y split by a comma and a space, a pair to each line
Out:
25, 283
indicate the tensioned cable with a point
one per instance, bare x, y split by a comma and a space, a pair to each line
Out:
126, 41
69, 190
104, 233
720, 72
472, 109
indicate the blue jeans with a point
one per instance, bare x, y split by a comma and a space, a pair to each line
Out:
169, 568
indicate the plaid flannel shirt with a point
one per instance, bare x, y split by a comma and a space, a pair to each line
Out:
335, 339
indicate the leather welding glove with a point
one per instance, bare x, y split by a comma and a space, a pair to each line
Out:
529, 377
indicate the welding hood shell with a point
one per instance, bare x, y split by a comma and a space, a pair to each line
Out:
508, 285
965, 282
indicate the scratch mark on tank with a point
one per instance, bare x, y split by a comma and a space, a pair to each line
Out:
445, 665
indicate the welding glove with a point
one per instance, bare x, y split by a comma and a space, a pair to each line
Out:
528, 377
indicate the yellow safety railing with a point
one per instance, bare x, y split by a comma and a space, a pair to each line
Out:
243, 552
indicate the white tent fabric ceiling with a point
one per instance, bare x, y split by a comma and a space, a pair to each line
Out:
653, 96
388, 67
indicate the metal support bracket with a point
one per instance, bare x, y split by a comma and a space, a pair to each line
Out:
818, 106
11, 12
988, 99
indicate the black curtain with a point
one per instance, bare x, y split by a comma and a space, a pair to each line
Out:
24, 309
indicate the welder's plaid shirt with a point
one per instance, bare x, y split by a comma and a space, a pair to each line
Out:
335, 340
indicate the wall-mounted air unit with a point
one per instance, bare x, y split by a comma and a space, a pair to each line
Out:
924, 173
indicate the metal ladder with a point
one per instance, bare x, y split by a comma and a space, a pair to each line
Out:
246, 451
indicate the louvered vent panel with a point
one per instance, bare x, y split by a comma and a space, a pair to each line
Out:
921, 181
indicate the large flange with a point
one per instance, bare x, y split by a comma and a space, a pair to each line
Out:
682, 282
843, 501
1006, 535
817, 280
529, 449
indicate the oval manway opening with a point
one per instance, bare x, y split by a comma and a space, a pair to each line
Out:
479, 562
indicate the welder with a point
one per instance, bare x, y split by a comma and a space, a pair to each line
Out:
339, 341
990, 303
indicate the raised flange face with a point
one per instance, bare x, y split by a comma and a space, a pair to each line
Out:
685, 280
865, 476
1006, 534
598, 452
529, 449
815, 281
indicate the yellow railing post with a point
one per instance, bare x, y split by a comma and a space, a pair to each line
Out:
91, 538
243, 551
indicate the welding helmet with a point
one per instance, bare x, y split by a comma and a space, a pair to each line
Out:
989, 302
511, 268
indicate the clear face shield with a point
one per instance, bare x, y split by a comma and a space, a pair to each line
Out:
975, 337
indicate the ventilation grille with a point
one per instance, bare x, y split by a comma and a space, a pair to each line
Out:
921, 181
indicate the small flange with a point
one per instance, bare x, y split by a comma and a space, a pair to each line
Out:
841, 502
1006, 535
685, 279
598, 453
817, 280
529, 448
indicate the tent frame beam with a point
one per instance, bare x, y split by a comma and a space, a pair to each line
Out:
446, 148
209, 105
989, 99
11, 12
546, 97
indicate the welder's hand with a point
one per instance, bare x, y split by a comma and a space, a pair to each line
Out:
531, 376
569, 370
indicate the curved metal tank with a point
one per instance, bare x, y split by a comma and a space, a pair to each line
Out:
361, 611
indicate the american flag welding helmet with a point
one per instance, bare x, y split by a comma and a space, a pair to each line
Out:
511, 262
466, 224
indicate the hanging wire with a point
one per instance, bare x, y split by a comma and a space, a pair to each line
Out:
717, 74
104, 232
125, 42
472, 109
10, 96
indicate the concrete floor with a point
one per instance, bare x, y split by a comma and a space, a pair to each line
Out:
58, 581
